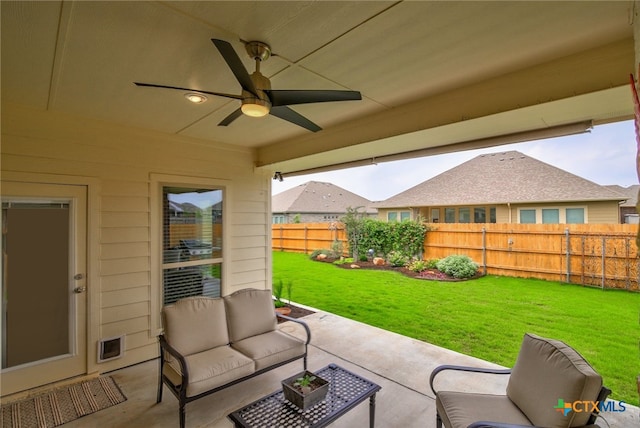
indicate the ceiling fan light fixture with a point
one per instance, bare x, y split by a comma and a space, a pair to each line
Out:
195, 98
255, 107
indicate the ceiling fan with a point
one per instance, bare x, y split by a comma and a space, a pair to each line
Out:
257, 97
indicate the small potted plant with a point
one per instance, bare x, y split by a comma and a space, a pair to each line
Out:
305, 389
281, 307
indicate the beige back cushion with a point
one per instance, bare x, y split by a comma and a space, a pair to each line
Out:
546, 371
195, 324
250, 312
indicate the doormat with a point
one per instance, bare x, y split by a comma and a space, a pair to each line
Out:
63, 404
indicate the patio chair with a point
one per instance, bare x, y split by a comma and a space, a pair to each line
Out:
547, 379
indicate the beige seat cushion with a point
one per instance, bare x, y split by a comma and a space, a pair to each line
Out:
270, 348
249, 312
195, 324
459, 409
547, 370
210, 369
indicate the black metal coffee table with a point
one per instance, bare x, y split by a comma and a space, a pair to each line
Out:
346, 390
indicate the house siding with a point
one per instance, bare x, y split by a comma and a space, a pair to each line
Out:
118, 164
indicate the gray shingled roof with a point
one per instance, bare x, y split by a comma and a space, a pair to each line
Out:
500, 178
630, 192
318, 197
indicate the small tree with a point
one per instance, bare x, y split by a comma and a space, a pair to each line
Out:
353, 223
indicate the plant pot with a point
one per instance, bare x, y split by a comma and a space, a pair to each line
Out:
285, 310
304, 401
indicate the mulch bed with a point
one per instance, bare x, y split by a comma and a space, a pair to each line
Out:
297, 312
430, 274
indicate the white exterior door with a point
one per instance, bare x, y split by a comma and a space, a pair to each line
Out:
43, 324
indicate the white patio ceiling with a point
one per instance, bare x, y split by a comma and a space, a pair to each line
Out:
432, 74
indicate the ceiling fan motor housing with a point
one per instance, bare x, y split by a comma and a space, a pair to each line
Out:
261, 83
258, 50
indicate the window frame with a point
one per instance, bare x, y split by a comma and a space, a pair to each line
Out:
157, 184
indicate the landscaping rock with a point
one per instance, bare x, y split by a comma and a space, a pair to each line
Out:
378, 261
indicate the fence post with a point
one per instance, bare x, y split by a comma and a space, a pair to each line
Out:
305, 239
566, 231
604, 243
484, 249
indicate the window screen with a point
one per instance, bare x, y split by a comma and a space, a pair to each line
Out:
192, 243
528, 216
550, 216
464, 215
392, 216
479, 215
575, 215
435, 215
449, 215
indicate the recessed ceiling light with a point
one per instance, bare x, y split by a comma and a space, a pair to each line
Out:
195, 98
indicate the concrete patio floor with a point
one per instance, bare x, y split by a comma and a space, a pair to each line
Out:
400, 365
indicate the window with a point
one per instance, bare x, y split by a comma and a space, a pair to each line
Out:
464, 215
449, 215
435, 215
550, 216
479, 215
575, 215
492, 215
405, 215
528, 216
277, 219
191, 242
392, 216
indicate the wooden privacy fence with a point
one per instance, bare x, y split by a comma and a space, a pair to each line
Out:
600, 255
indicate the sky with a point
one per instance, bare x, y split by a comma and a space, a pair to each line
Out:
606, 155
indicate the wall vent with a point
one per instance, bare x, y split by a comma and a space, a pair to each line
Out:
110, 348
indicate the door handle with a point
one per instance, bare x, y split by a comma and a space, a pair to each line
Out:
79, 290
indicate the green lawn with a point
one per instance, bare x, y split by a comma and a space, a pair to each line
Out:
485, 318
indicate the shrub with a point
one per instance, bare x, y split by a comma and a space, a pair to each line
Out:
337, 248
457, 266
343, 261
432, 263
417, 265
396, 258
328, 253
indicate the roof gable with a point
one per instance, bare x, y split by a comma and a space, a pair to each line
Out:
318, 197
501, 178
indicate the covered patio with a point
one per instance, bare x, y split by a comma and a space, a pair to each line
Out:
81, 139
400, 365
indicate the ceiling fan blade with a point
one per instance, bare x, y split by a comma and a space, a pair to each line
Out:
289, 115
219, 94
233, 116
291, 97
236, 65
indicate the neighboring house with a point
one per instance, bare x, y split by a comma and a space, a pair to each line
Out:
628, 211
316, 202
505, 187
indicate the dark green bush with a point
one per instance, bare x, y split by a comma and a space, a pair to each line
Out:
457, 266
